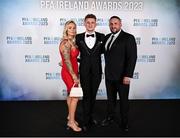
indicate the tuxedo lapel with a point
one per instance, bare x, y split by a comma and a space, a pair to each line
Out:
83, 43
97, 43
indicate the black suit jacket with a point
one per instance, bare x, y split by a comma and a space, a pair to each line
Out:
120, 61
90, 59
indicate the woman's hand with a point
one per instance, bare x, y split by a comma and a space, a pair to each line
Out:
76, 80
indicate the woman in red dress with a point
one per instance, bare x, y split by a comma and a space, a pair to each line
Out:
69, 52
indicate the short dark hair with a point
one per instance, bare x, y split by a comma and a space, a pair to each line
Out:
90, 16
115, 17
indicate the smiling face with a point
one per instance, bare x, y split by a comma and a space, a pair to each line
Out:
90, 24
71, 30
115, 25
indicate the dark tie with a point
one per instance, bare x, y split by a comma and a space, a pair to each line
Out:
108, 45
88, 35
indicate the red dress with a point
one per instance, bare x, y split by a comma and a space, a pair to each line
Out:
66, 76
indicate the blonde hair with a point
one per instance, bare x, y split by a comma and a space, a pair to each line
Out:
65, 34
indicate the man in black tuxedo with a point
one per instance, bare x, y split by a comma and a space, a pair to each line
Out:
90, 69
120, 60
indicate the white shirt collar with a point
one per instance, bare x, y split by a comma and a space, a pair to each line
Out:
90, 41
90, 33
115, 35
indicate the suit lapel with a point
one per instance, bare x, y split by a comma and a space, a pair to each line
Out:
97, 43
83, 43
117, 39
106, 39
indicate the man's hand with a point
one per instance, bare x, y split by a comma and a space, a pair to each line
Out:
126, 80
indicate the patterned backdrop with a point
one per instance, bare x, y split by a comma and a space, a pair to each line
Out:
31, 31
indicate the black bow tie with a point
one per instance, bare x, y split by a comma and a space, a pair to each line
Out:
88, 35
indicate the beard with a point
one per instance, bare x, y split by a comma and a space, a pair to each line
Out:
114, 31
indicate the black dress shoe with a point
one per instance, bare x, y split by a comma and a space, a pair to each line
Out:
85, 128
93, 122
107, 121
125, 128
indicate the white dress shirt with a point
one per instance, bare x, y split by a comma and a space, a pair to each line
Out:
115, 36
90, 41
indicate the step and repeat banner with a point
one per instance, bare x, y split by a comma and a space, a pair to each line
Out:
30, 32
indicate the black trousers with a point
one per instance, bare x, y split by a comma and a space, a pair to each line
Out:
113, 87
90, 84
